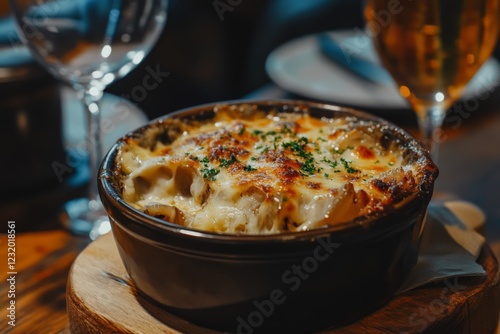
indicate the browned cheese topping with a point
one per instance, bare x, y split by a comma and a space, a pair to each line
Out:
246, 171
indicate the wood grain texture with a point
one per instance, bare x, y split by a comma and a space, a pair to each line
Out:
470, 170
43, 260
101, 299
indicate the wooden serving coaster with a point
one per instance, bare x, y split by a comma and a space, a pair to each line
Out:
101, 299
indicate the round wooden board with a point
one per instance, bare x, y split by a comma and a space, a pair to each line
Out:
101, 299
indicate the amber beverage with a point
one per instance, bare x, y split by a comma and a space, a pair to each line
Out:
433, 48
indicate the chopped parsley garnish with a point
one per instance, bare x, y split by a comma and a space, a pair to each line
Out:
286, 130
242, 131
308, 168
348, 167
263, 135
249, 168
337, 150
227, 163
209, 173
330, 163
298, 148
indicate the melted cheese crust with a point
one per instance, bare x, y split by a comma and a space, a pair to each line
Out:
260, 173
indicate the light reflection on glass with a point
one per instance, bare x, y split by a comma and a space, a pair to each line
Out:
94, 91
125, 69
93, 108
404, 91
138, 57
97, 74
106, 51
108, 78
439, 97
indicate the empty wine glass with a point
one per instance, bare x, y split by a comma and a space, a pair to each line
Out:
432, 48
89, 44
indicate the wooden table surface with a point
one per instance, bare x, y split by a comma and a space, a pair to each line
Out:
469, 166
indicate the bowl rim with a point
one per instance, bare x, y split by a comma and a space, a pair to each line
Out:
107, 189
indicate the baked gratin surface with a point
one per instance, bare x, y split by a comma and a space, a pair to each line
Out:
246, 171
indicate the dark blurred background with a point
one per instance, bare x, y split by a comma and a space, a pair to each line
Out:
213, 50
216, 50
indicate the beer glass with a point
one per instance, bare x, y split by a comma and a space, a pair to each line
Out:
432, 48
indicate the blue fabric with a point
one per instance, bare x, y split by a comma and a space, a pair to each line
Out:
12, 52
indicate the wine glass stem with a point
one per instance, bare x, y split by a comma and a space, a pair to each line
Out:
91, 97
430, 121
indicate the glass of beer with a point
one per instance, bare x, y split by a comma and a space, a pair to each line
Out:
432, 49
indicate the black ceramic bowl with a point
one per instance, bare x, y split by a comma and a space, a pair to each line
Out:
290, 282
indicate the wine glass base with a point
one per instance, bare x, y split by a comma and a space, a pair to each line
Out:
85, 217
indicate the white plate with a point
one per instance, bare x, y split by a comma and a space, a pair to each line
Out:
300, 68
